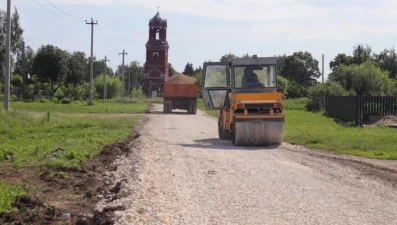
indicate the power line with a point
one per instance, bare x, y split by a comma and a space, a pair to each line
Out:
49, 10
103, 33
63, 11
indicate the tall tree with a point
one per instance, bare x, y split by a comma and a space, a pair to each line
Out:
361, 54
280, 62
16, 35
171, 69
29, 57
51, 66
189, 69
302, 68
76, 68
136, 72
340, 59
387, 60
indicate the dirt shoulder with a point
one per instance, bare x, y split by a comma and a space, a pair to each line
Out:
59, 195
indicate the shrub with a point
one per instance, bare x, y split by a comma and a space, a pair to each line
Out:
282, 85
113, 85
295, 90
66, 101
137, 93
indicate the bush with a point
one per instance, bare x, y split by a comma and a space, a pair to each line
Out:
295, 90
73, 91
66, 101
364, 79
138, 93
113, 85
282, 85
16, 80
43, 100
14, 98
329, 88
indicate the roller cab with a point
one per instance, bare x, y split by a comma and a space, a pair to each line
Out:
244, 91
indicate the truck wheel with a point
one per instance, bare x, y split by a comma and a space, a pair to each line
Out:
190, 108
194, 109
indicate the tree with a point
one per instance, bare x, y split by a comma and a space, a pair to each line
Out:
340, 59
387, 61
227, 57
302, 68
280, 62
98, 68
29, 57
282, 85
171, 70
76, 68
189, 70
136, 72
363, 79
51, 66
361, 54
16, 35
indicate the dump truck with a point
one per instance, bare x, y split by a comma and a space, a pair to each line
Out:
244, 91
180, 92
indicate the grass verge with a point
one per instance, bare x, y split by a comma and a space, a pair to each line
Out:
317, 131
129, 106
34, 136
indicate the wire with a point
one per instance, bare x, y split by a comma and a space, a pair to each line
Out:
63, 11
103, 33
49, 10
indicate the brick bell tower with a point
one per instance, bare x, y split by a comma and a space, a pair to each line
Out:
156, 65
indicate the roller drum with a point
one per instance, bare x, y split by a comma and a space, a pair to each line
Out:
258, 133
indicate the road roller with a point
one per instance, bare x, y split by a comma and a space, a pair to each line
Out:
245, 94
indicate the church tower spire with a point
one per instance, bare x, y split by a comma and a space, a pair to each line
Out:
156, 66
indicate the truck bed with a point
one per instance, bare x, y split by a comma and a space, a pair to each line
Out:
180, 90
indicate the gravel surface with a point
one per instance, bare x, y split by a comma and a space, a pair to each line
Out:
181, 173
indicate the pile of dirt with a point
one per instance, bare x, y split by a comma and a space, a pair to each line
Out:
388, 121
180, 78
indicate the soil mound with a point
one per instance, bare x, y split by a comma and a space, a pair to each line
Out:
180, 78
389, 121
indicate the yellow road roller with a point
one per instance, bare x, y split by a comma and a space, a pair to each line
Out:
244, 91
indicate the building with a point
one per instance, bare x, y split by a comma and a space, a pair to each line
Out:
156, 66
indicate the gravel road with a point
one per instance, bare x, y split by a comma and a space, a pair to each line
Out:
180, 173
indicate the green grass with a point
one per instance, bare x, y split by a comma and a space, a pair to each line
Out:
27, 139
317, 131
131, 105
8, 193
47, 133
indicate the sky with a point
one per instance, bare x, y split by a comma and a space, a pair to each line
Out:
203, 30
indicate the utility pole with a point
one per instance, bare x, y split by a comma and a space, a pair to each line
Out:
7, 60
23, 70
323, 68
92, 23
129, 83
122, 78
105, 96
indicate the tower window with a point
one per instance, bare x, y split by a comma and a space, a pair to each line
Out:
155, 56
157, 35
